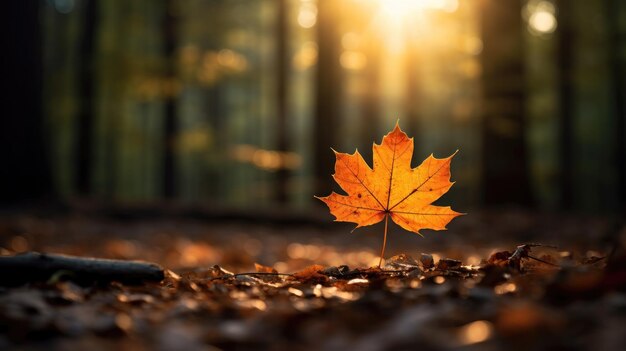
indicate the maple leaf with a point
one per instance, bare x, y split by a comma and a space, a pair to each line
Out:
392, 189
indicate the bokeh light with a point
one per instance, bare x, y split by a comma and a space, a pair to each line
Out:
475, 332
541, 17
307, 16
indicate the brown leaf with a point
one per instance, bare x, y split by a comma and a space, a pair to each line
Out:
311, 273
264, 269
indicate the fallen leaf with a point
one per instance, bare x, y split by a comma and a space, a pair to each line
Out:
402, 262
448, 263
427, 260
268, 274
499, 259
392, 189
310, 273
264, 269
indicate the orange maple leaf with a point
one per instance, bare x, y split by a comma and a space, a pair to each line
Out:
392, 189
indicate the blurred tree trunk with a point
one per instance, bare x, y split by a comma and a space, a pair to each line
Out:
328, 95
505, 165
86, 86
617, 50
412, 98
370, 120
170, 128
25, 172
566, 91
282, 62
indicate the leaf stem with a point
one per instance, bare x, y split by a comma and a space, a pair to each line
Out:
382, 252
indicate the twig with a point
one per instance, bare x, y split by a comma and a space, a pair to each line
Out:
344, 275
394, 271
542, 261
226, 276
261, 273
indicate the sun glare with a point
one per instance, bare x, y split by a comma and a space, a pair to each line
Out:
400, 9
396, 17
395, 9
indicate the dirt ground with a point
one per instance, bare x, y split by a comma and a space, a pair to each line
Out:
463, 289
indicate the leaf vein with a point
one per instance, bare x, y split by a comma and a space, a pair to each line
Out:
353, 206
363, 184
422, 184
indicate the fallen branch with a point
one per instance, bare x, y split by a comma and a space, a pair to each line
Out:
34, 267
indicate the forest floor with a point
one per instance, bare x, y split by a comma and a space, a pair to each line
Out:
469, 288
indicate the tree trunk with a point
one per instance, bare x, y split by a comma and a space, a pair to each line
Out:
282, 62
85, 119
566, 91
170, 128
412, 98
328, 95
505, 165
369, 121
25, 173
616, 10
